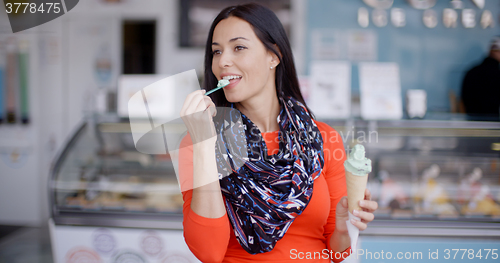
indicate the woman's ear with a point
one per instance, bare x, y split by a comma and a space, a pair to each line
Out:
275, 59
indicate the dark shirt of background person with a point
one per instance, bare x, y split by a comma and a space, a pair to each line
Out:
481, 85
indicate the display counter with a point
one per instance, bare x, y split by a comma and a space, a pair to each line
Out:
437, 183
111, 203
101, 175
435, 178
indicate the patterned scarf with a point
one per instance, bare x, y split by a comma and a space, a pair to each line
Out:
264, 194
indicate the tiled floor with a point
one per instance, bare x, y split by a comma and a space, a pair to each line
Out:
27, 245
6, 230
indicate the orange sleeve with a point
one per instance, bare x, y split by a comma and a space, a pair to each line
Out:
334, 156
207, 238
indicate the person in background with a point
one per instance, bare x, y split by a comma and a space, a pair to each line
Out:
285, 207
481, 85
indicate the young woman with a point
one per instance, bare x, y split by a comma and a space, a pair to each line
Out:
279, 207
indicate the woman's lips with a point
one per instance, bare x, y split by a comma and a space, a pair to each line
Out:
232, 83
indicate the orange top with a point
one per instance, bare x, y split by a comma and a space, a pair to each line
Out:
213, 239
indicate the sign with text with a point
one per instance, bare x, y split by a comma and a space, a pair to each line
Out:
380, 90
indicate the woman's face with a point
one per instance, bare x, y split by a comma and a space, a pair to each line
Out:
238, 54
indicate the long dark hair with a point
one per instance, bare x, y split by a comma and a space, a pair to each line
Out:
271, 33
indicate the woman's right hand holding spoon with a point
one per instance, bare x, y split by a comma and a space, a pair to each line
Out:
197, 113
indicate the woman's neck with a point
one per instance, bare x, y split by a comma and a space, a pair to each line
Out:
262, 110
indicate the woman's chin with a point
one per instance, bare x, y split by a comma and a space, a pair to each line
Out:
233, 99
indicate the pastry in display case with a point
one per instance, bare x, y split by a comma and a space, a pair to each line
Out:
392, 194
432, 198
476, 197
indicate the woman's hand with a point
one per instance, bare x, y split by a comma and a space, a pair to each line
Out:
366, 215
197, 113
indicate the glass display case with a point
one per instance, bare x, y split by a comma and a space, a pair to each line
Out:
434, 180
101, 179
111, 203
438, 177
441, 171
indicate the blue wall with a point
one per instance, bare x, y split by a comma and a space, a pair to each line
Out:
431, 59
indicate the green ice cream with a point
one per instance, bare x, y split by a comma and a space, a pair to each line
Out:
222, 83
357, 163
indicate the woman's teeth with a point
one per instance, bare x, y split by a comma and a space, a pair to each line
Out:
231, 77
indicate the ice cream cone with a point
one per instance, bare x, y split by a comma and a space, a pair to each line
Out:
357, 168
356, 186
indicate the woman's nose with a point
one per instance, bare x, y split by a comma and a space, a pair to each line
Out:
225, 60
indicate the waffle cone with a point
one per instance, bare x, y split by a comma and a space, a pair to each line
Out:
356, 186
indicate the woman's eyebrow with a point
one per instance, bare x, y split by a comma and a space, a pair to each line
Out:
231, 40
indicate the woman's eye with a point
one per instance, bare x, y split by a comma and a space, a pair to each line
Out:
240, 47
215, 52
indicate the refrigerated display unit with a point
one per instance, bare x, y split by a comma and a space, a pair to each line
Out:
437, 183
111, 203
